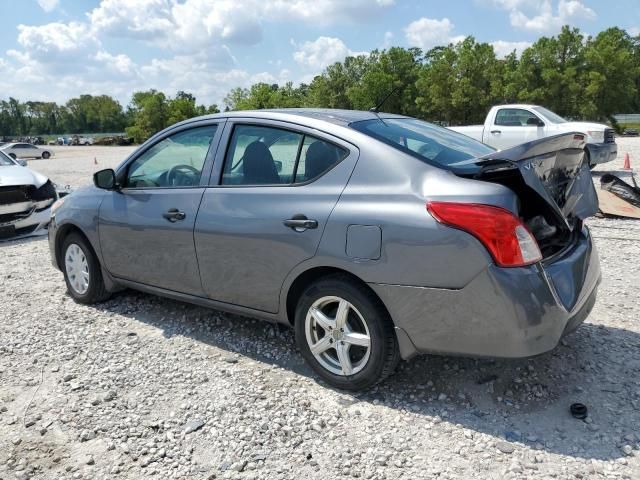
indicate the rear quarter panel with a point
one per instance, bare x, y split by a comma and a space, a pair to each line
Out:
390, 189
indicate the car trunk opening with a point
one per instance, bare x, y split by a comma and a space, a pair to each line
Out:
552, 182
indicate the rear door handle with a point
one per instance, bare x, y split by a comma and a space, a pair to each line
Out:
495, 132
173, 215
300, 222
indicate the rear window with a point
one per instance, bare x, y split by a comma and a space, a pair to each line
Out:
429, 143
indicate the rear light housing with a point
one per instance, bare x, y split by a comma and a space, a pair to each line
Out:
507, 239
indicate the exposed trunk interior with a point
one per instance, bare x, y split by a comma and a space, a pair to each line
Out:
553, 184
551, 232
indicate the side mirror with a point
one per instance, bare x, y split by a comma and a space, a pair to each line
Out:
536, 122
105, 179
278, 165
22, 163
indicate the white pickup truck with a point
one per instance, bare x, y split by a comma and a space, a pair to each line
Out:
510, 125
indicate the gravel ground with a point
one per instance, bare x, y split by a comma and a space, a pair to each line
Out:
141, 386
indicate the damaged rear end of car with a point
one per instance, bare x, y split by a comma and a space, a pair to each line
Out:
554, 268
525, 270
553, 185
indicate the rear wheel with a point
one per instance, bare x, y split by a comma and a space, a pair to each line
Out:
345, 333
46, 155
82, 272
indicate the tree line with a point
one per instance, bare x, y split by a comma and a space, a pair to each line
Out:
147, 113
575, 76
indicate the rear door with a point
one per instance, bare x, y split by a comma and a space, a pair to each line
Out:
275, 186
513, 126
146, 228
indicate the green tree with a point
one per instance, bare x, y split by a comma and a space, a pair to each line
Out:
611, 80
149, 112
389, 73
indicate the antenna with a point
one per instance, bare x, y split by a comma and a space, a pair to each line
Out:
376, 109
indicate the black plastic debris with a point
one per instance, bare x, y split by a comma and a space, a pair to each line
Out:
578, 410
620, 189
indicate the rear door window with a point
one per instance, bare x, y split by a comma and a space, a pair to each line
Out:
430, 143
262, 155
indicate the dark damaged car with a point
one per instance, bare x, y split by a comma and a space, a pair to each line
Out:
375, 236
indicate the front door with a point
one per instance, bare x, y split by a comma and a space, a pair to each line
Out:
146, 228
514, 126
277, 188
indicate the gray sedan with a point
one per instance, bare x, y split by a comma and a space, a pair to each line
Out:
375, 236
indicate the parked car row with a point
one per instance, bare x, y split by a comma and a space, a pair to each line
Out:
375, 236
74, 140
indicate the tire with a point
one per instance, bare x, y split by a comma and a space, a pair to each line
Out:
78, 257
13, 155
46, 155
366, 317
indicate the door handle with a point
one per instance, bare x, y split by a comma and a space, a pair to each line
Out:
300, 222
173, 215
495, 132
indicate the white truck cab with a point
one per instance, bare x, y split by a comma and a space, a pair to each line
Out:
510, 125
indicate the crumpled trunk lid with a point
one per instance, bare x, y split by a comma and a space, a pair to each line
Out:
556, 170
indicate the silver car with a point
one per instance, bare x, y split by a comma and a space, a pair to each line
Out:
375, 236
25, 199
26, 150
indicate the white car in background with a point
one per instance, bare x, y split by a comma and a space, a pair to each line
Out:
26, 198
509, 125
26, 150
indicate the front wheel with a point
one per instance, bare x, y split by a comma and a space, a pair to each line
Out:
82, 272
344, 332
46, 155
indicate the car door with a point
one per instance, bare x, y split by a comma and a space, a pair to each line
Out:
146, 228
513, 126
276, 186
19, 151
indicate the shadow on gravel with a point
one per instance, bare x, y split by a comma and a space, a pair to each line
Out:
8, 242
525, 401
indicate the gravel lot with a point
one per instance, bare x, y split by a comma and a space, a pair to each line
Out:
141, 386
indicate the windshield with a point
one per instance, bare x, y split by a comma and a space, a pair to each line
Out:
5, 160
549, 115
427, 142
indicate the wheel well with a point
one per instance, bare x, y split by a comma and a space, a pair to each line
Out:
65, 231
310, 276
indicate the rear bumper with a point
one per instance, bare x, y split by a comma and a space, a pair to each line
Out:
602, 152
503, 312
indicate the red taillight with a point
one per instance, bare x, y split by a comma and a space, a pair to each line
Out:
509, 242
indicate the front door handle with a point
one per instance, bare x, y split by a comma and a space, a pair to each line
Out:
496, 132
173, 215
300, 223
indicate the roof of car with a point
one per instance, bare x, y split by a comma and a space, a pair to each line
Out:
335, 116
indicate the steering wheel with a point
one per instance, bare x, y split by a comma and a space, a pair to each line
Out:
182, 175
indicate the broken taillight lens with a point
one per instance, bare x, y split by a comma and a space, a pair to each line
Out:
507, 239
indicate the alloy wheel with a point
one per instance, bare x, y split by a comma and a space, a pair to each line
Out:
338, 335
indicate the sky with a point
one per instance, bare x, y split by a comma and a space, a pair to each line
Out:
52, 50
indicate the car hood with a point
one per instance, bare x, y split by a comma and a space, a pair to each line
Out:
583, 126
17, 175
